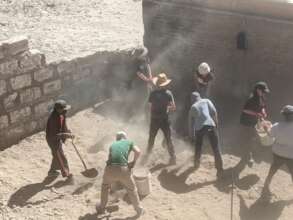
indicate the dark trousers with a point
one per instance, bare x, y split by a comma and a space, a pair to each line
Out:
59, 161
213, 138
164, 125
276, 165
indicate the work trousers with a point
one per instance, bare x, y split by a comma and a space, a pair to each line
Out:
211, 132
59, 161
278, 162
164, 125
121, 174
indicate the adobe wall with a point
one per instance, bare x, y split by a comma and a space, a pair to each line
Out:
182, 34
29, 85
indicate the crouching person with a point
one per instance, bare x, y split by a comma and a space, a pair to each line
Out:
118, 169
282, 148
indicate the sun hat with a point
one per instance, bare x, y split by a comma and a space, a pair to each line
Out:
204, 69
262, 86
161, 80
62, 104
287, 110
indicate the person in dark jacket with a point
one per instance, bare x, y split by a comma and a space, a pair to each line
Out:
254, 109
56, 134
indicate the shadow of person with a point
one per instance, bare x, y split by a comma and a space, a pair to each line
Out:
22, 195
177, 183
106, 216
261, 210
158, 167
82, 188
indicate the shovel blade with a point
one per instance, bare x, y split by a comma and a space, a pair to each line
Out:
90, 173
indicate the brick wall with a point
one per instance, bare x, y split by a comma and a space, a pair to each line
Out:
29, 86
180, 35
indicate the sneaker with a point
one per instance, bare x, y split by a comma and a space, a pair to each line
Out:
172, 161
53, 173
139, 212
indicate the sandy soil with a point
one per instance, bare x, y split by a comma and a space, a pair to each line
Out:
66, 28
178, 192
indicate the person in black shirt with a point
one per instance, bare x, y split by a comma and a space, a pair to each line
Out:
162, 102
254, 109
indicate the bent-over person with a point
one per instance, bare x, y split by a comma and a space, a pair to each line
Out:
118, 169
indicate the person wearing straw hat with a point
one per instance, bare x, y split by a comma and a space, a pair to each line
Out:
283, 147
203, 77
161, 103
254, 110
56, 134
118, 169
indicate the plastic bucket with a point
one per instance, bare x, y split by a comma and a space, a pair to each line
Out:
142, 178
264, 137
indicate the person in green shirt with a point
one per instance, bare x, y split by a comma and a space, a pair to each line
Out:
118, 169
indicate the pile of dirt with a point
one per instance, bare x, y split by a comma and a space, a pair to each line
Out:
178, 192
67, 28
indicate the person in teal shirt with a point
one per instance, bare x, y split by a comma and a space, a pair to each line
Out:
118, 169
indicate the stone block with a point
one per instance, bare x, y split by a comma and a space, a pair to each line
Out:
30, 95
21, 81
66, 67
15, 45
31, 60
3, 88
43, 74
51, 87
11, 100
3, 121
20, 115
8, 68
43, 108
30, 127
15, 133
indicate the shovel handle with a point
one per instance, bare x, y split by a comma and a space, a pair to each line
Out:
75, 148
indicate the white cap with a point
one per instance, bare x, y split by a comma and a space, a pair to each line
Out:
121, 135
204, 69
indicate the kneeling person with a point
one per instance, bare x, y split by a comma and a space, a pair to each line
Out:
118, 169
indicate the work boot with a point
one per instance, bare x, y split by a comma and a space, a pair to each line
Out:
100, 209
53, 173
196, 164
220, 174
139, 211
172, 160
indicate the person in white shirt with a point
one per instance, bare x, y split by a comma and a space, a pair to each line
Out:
283, 146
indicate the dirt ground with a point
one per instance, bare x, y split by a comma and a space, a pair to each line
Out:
178, 192
67, 28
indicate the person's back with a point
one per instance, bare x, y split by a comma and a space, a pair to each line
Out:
203, 111
119, 152
160, 100
283, 145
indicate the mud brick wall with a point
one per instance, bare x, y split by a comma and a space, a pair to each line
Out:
180, 34
29, 86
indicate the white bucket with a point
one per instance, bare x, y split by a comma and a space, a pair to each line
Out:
142, 178
265, 138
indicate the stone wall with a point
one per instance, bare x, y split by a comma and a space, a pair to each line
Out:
29, 86
180, 35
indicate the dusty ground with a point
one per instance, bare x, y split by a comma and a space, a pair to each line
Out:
178, 192
66, 28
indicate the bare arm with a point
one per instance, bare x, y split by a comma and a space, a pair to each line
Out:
136, 152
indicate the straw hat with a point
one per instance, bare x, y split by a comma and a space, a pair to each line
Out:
262, 86
204, 69
161, 80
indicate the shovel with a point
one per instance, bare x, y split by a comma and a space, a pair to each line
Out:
90, 173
